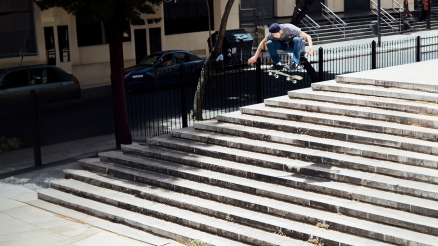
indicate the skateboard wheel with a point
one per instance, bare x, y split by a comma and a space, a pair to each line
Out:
270, 73
294, 81
276, 76
288, 79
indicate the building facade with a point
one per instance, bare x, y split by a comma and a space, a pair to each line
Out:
31, 36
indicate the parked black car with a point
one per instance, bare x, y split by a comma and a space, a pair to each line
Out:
51, 84
164, 67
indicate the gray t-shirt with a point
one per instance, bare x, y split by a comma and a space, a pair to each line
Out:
289, 32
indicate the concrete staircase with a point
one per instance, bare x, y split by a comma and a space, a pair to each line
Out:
347, 162
358, 27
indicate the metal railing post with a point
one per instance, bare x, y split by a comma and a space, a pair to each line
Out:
321, 63
259, 90
418, 49
428, 15
183, 90
36, 130
373, 55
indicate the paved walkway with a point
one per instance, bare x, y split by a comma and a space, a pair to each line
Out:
25, 223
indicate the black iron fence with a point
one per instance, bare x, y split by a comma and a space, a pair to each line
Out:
160, 108
154, 113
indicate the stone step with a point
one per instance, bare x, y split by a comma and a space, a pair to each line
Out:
216, 216
424, 108
135, 220
376, 91
354, 142
343, 190
357, 95
116, 228
396, 77
244, 201
314, 163
338, 121
394, 168
354, 111
287, 202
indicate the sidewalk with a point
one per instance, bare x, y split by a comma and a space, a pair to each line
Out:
26, 222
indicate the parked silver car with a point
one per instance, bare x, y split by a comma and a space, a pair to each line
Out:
51, 84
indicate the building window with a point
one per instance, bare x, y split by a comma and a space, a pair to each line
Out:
266, 5
17, 28
90, 33
187, 16
94, 33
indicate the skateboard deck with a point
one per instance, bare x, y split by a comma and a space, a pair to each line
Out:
289, 77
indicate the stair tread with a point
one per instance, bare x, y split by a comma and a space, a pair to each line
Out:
221, 224
347, 134
116, 228
141, 219
285, 208
375, 93
347, 119
287, 193
287, 137
360, 193
350, 107
380, 181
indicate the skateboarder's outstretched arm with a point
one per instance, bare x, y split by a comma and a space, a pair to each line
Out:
307, 37
253, 59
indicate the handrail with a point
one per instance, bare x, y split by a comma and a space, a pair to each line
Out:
398, 7
254, 13
333, 18
310, 23
387, 18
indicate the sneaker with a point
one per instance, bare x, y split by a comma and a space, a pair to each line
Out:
292, 66
276, 67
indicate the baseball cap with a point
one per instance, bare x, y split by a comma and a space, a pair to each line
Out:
274, 28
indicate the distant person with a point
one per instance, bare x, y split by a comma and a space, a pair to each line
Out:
286, 37
213, 39
406, 9
166, 61
424, 9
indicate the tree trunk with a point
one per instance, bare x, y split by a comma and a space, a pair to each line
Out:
298, 16
122, 132
203, 78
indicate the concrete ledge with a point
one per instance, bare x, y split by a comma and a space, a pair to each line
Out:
354, 111
414, 76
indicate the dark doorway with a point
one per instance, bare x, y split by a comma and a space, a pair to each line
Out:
140, 43
63, 44
49, 40
350, 5
316, 7
155, 39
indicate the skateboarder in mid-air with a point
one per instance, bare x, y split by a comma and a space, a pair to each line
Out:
285, 37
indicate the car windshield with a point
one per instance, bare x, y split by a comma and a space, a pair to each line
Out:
149, 60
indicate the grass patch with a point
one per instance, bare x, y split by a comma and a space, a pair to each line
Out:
197, 242
10, 144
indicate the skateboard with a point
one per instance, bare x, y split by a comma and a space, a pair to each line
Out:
289, 77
